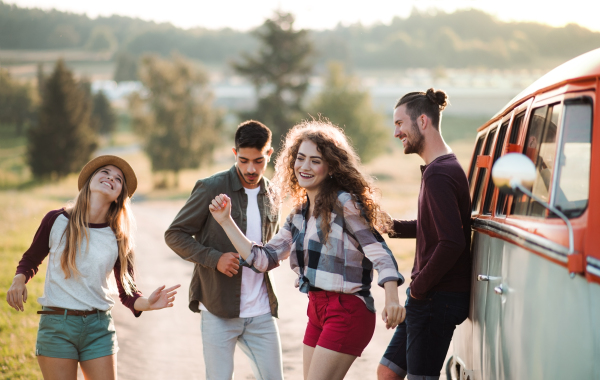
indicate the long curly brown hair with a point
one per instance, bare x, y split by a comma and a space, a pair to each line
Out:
343, 164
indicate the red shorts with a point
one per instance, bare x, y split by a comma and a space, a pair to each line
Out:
339, 322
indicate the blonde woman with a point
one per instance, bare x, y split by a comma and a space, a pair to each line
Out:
332, 244
85, 243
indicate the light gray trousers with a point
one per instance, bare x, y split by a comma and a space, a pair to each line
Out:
258, 337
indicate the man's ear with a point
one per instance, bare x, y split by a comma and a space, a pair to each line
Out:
234, 152
423, 122
269, 153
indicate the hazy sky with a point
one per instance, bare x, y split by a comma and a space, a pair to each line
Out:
320, 14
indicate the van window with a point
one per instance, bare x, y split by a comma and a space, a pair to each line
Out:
540, 147
573, 169
517, 124
482, 172
487, 205
501, 204
476, 153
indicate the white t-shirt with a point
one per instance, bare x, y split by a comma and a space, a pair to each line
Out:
254, 299
91, 289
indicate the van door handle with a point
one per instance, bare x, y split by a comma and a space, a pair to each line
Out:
499, 289
483, 277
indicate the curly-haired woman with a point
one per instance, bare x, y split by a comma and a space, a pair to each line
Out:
86, 241
332, 243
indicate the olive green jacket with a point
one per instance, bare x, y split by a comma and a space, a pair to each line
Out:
197, 237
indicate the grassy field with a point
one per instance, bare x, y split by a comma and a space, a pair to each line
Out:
23, 206
21, 213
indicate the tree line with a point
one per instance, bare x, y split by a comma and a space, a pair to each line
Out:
465, 38
174, 116
61, 119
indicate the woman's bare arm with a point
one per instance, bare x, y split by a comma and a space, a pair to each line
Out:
220, 208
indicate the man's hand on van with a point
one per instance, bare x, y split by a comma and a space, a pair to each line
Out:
229, 264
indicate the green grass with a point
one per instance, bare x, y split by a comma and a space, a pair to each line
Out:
13, 166
21, 215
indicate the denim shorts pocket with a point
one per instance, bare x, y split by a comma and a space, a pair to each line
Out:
410, 299
455, 311
52, 322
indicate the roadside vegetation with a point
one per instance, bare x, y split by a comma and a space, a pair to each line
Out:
466, 38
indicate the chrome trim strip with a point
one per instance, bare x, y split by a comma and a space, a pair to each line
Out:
534, 242
593, 261
593, 266
593, 270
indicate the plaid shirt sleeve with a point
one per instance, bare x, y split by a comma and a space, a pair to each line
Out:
267, 257
376, 250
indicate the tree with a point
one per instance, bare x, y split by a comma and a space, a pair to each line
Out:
345, 104
41, 79
175, 119
126, 69
62, 142
16, 104
101, 39
279, 72
104, 119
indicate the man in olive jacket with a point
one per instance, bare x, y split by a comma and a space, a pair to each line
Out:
238, 305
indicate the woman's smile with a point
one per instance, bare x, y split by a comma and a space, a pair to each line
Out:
310, 168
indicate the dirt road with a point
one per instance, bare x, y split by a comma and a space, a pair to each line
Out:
166, 344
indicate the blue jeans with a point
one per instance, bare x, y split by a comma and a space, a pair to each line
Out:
258, 337
420, 343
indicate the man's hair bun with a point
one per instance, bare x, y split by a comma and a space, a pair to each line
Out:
438, 97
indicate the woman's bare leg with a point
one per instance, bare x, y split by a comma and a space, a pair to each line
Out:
307, 354
104, 368
324, 364
57, 368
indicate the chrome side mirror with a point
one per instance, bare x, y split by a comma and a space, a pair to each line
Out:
512, 171
515, 171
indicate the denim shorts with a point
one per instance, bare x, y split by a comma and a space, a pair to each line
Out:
420, 343
76, 337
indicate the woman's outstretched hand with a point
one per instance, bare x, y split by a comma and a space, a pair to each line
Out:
393, 313
159, 299
17, 293
220, 208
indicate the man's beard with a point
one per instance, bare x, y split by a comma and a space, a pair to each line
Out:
244, 177
418, 141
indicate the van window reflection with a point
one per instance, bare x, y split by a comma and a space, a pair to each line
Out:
571, 196
540, 147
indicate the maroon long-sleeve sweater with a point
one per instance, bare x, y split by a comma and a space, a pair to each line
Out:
442, 229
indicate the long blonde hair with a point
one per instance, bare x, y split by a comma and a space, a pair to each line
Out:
344, 165
121, 221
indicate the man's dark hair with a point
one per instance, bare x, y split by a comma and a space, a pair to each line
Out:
252, 134
430, 103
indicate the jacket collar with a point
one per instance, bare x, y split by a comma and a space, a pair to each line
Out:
236, 184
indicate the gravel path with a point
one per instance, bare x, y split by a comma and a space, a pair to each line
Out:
166, 344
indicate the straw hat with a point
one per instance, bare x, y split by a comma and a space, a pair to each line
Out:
101, 161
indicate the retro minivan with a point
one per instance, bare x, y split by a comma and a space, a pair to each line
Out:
535, 301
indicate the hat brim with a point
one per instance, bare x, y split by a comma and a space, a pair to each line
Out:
101, 161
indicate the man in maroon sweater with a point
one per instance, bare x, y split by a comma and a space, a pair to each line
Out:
438, 296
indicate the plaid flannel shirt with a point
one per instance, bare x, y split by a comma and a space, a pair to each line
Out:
344, 265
